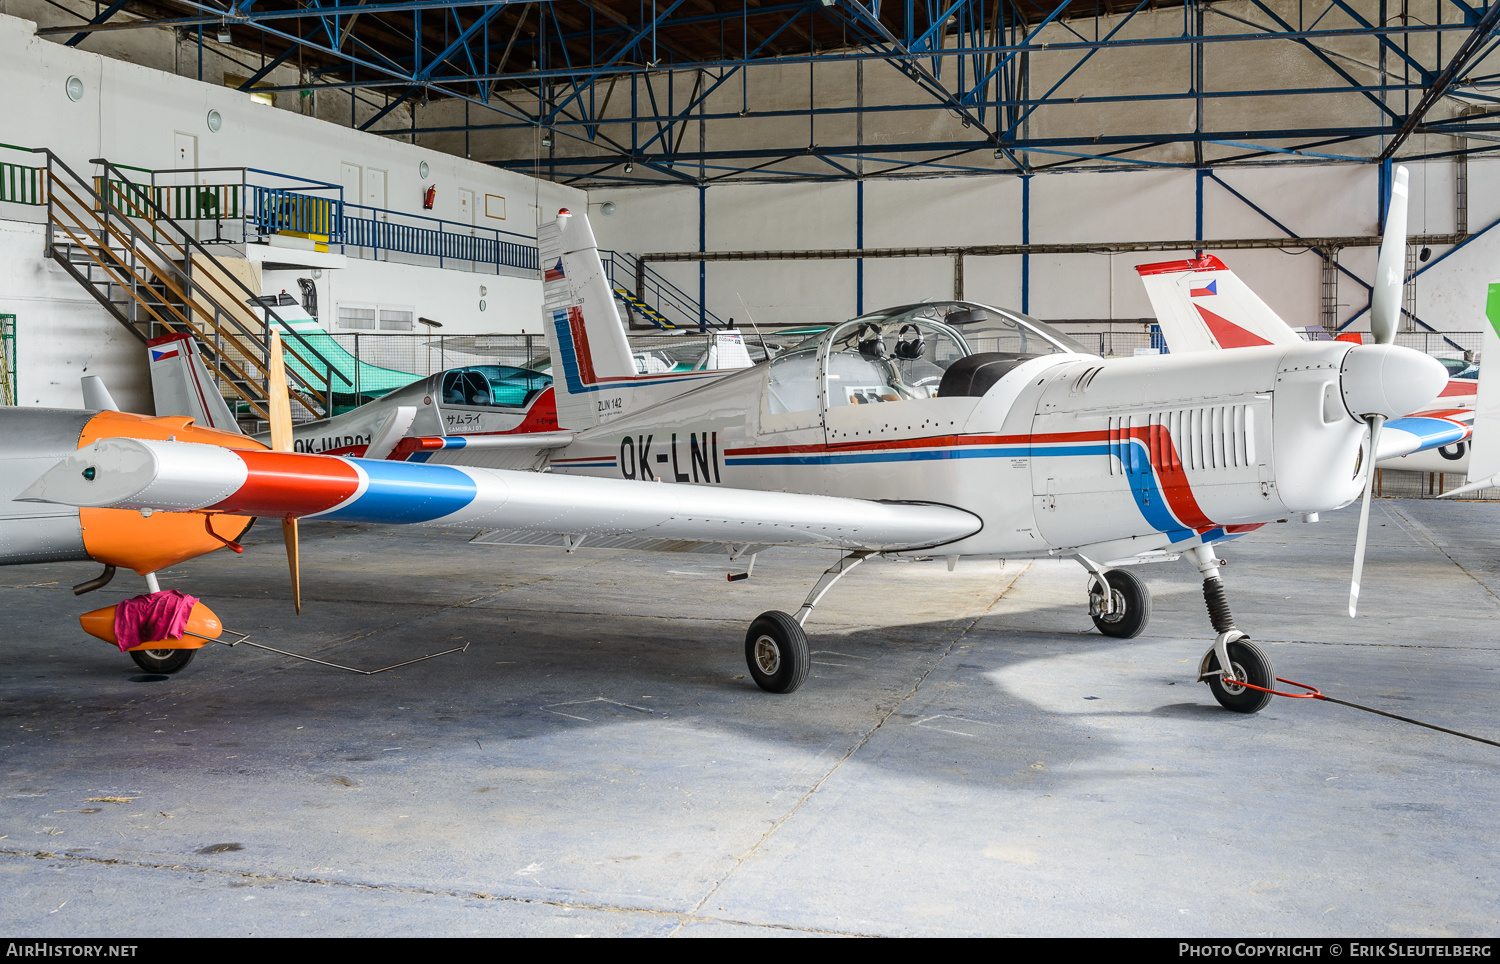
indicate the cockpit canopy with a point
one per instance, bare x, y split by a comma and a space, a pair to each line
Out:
491, 386
929, 350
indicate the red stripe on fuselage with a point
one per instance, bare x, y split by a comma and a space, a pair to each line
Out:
1170, 474
285, 484
1162, 454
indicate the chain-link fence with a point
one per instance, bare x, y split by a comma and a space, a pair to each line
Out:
8, 392
1392, 484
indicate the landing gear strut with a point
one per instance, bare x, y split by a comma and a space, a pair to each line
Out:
776, 646
1233, 660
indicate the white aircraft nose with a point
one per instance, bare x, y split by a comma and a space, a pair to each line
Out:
1390, 380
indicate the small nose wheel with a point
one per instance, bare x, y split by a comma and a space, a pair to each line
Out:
776, 651
1248, 663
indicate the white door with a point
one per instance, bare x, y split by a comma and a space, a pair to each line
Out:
349, 178
466, 219
187, 151
375, 191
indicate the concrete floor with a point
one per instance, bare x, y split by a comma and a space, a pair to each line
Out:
968, 756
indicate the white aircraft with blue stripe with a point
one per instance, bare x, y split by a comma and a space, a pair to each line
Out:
937, 429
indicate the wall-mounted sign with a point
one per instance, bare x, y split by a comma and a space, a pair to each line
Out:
494, 207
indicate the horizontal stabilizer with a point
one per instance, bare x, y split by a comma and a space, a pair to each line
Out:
420, 448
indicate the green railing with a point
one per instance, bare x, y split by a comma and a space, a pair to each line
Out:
187, 202
22, 183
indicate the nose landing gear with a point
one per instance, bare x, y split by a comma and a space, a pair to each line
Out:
1233, 660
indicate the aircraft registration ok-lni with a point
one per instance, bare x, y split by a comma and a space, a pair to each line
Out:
891, 433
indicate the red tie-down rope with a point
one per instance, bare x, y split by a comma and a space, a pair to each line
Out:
1313, 693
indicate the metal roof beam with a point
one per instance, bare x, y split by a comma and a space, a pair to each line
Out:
1462, 58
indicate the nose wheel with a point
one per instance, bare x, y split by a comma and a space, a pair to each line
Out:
1248, 663
777, 653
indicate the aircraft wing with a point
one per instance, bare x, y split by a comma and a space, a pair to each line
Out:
185, 477
1423, 431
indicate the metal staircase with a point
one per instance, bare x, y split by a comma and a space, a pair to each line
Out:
155, 278
649, 296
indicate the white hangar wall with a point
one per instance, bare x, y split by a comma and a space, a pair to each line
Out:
132, 115
1313, 200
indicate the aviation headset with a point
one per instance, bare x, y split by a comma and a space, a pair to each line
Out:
869, 342
909, 343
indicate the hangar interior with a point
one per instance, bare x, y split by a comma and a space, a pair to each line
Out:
591, 753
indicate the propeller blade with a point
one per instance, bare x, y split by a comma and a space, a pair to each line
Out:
1376, 421
289, 536
279, 406
1390, 269
280, 409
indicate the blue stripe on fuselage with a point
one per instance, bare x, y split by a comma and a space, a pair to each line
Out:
1134, 458
406, 492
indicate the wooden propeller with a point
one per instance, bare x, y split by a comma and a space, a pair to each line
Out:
281, 441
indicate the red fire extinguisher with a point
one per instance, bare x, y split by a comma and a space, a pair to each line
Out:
429, 197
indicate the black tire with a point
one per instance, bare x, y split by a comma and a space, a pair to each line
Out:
1249, 663
166, 661
776, 652
1132, 605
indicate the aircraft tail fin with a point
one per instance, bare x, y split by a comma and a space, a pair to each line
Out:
1201, 305
180, 384
1484, 439
583, 328
96, 396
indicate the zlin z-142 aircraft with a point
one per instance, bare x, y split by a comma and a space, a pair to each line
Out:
914, 431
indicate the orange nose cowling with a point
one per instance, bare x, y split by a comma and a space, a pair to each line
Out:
124, 537
101, 624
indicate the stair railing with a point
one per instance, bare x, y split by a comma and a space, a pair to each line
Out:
102, 226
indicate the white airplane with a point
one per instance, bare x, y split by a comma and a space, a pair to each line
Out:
886, 434
1201, 305
1484, 449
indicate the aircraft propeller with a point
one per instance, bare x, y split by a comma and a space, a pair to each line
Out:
280, 410
1385, 310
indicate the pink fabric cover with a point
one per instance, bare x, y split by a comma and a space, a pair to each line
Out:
157, 615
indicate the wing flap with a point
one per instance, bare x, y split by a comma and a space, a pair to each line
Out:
572, 541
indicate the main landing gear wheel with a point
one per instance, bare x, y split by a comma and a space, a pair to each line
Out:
165, 661
1131, 604
1249, 664
776, 650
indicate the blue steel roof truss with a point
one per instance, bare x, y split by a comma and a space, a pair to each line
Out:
972, 59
